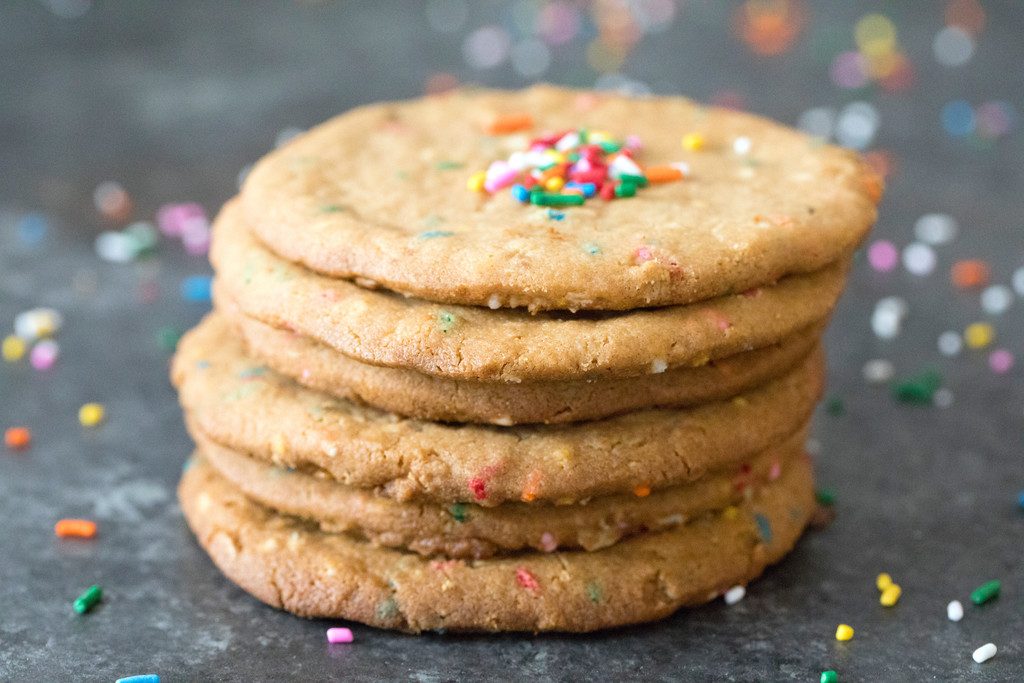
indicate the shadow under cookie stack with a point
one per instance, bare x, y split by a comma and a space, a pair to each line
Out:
572, 395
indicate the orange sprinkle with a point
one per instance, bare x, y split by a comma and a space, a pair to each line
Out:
509, 123
662, 174
970, 273
873, 185
642, 491
77, 528
17, 437
529, 493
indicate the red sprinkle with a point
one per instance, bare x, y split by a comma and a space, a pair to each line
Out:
479, 487
526, 579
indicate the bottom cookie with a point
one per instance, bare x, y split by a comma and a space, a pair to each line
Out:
291, 564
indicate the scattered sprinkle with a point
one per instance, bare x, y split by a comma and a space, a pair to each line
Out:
75, 528
734, 595
883, 256
141, 678
91, 414
825, 496
1001, 361
764, 527
44, 354
17, 438
526, 579
979, 335
883, 581
954, 610
844, 632
339, 635
969, 273
196, 288
890, 596
986, 592
878, 371
919, 259
642, 491
984, 653
509, 123
88, 599
459, 512
13, 348
829, 676
919, 389
36, 323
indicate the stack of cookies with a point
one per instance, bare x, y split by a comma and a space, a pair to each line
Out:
570, 395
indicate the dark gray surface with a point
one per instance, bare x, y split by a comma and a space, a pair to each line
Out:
173, 98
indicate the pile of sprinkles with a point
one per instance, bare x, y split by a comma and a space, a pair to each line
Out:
569, 167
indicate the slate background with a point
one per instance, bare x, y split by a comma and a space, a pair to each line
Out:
172, 99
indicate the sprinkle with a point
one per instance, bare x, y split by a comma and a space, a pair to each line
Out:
87, 600
1001, 361
734, 595
663, 174
141, 678
196, 288
75, 528
431, 234
950, 343
556, 215
829, 676
693, 142
878, 371
479, 488
844, 632
339, 635
935, 228
764, 527
642, 491
954, 611
890, 596
448, 165
996, 299
37, 322
883, 581
526, 579
167, 338
834, 406
883, 256
919, 389
13, 348
446, 321
986, 591
984, 653
548, 542
551, 199
458, 512
44, 354
1020, 500
476, 181
504, 124
90, 414
969, 273
919, 259
731, 512
979, 335
520, 193
825, 496
594, 592
17, 438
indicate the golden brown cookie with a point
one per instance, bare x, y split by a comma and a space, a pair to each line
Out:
464, 342
464, 530
249, 408
295, 566
431, 397
372, 194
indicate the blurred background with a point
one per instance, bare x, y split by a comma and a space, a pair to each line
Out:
125, 124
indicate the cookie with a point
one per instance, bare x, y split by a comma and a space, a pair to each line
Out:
380, 193
293, 565
463, 530
464, 342
430, 397
249, 408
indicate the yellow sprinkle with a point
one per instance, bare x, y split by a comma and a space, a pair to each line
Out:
693, 142
553, 184
883, 581
844, 632
891, 595
90, 414
979, 335
476, 181
731, 512
13, 348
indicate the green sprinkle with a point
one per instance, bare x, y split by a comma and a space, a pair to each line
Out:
919, 389
552, 199
609, 146
764, 527
638, 180
87, 600
825, 496
431, 234
584, 135
458, 512
625, 189
448, 165
446, 321
167, 338
252, 372
829, 676
594, 592
591, 248
387, 609
834, 406
333, 208
986, 591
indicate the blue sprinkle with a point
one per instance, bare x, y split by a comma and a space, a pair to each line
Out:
202, 364
520, 193
196, 288
32, 228
589, 189
764, 527
431, 234
556, 215
591, 248
1020, 500
958, 118
142, 678
249, 373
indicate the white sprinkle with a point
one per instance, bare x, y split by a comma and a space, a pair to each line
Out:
494, 301
935, 228
115, 247
857, 125
886, 322
1018, 281
919, 258
950, 343
984, 653
741, 145
943, 398
952, 46
658, 365
734, 595
955, 611
817, 122
996, 299
878, 371
37, 322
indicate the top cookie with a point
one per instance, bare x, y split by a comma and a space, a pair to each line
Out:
380, 194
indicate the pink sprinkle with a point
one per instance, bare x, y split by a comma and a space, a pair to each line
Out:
1000, 361
195, 236
526, 579
548, 542
172, 218
339, 635
634, 143
883, 255
499, 175
643, 254
775, 472
44, 354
